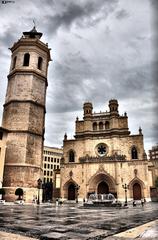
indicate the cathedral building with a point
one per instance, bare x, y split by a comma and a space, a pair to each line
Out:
104, 157
24, 116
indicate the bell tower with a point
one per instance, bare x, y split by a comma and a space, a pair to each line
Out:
24, 114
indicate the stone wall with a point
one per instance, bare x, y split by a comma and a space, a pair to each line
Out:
121, 145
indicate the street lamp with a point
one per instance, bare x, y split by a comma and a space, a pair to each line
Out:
77, 187
39, 182
125, 186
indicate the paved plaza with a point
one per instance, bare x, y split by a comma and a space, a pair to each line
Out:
72, 221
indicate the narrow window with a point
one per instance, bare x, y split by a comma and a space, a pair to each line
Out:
40, 60
1, 135
100, 126
26, 59
94, 126
14, 62
134, 153
71, 156
106, 125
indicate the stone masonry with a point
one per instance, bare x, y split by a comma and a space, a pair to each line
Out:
24, 115
104, 156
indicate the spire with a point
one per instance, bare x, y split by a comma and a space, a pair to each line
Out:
140, 131
33, 33
65, 136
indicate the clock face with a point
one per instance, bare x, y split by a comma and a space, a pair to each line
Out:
101, 149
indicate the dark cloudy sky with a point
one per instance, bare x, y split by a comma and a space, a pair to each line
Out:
101, 49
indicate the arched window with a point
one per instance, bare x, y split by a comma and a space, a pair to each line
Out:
26, 59
100, 126
40, 61
14, 62
94, 126
71, 156
106, 125
134, 153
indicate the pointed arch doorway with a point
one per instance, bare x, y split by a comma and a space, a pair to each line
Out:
103, 188
71, 192
137, 195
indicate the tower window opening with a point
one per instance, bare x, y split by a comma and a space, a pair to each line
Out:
94, 126
40, 61
1, 135
106, 125
100, 126
71, 156
26, 59
134, 153
14, 62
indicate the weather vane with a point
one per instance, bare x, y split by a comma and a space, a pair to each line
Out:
34, 23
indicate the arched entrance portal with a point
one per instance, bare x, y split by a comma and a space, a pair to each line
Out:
102, 183
71, 192
103, 188
137, 191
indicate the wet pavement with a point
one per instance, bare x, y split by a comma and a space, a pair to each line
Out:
71, 221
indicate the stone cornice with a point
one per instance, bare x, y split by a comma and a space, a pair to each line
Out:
27, 72
32, 42
112, 158
25, 101
25, 132
22, 165
103, 133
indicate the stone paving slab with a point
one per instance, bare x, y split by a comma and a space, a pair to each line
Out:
12, 236
146, 231
52, 236
68, 223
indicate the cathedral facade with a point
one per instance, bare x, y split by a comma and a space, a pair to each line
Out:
104, 157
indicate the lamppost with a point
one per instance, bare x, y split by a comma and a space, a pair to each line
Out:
39, 182
77, 187
125, 186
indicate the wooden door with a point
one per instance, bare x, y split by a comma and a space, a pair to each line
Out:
71, 192
137, 191
103, 188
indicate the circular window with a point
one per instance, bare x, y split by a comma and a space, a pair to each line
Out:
101, 149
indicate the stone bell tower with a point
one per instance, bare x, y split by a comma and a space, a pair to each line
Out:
24, 114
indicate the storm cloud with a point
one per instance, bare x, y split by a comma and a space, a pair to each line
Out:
100, 50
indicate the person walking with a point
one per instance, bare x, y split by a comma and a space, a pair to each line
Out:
142, 202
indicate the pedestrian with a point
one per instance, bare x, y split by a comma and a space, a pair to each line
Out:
134, 204
57, 202
142, 202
